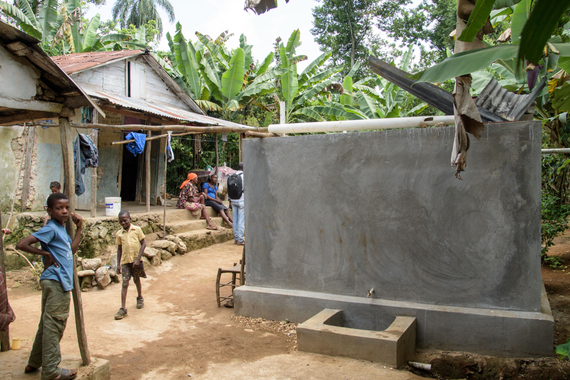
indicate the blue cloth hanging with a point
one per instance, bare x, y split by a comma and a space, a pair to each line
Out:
136, 147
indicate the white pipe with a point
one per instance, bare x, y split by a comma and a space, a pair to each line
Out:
359, 125
556, 150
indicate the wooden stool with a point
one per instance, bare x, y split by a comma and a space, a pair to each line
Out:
237, 269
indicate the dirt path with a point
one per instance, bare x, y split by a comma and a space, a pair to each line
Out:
181, 331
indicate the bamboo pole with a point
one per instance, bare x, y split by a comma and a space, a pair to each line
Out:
159, 128
153, 138
69, 189
260, 135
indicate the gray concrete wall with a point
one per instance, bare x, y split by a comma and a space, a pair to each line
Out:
344, 213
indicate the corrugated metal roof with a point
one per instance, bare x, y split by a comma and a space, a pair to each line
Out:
162, 110
73, 63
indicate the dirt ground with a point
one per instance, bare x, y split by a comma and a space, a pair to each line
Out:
181, 333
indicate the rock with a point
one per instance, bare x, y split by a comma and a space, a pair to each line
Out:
142, 224
85, 273
86, 282
147, 263
116, 279
182, 248
103, 232
94, 234
112, 273
156, 260
91, 264
164, 244
165, 255
174, 239
150, 252
112, 262
94, 282
102, 277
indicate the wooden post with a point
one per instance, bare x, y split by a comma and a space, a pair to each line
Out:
4, 335
94, 177
193, 152
69, 189
241, 147
28, 166
147, 174
217, 155
164, 203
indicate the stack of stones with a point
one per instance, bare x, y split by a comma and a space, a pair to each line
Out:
92, 272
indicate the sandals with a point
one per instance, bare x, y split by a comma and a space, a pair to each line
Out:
122, 313
140, 302
66, 374
211, 228
30, 369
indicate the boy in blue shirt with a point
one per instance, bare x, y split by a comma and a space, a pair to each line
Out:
57, 251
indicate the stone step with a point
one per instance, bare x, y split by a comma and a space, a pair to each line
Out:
191, 225
203, 238
177, 215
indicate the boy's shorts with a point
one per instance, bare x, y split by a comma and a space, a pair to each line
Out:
130, 270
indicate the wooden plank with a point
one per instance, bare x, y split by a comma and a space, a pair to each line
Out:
241, 147
28, 166
95, 139
66, 137
26, 117
161, 128
164, 202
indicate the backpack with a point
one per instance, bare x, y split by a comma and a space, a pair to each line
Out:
235, 186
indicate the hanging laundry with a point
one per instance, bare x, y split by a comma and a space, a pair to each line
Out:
136, 147
86, 114
169, 151
85, 155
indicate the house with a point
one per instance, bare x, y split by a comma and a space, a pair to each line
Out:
32, 88
129, 88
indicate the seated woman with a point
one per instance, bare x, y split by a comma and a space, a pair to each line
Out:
212, 200
191, 199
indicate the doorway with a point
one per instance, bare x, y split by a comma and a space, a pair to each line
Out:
129, 176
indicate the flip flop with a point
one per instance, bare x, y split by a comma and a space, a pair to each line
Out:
66, 374
211, 228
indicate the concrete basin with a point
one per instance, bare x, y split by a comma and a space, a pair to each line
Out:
326, 334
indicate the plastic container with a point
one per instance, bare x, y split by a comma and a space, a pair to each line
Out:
112, 206
16, 344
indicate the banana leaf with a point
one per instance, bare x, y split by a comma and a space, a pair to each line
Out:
312, 67
346, 99
324, 75
25, 7
519, 19
232, 79
213, 48
477, 19
293, 42
47, 14
310, 112
366, 105
90, 36
465, 63
255, 89
505, 3
23, 20
312, 92
265, 65
561, 100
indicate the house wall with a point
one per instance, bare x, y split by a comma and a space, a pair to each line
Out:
110, 159
12, 145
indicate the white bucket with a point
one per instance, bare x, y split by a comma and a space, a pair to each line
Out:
112, 206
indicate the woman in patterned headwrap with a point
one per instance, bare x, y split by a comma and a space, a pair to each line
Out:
192, 199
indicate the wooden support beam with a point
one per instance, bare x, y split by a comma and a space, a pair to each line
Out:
164, 203
28, 166
4, 335
217, 155
94, 177
147, 174
122, 142
241, 147
66, 138
27, 117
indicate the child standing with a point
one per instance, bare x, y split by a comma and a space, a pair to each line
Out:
55, 187
131, 245
56, 281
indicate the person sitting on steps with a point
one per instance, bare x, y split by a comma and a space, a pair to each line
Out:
212, 200
193, 200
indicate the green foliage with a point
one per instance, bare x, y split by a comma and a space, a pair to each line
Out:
563, 350
140, 12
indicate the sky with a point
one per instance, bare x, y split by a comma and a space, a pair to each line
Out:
213, 17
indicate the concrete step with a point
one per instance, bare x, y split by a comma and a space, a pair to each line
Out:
178, 215
202, 238
191, 225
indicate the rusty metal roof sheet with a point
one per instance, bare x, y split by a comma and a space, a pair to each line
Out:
74, 63
162, 110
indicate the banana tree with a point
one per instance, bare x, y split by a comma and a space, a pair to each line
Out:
298, 89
